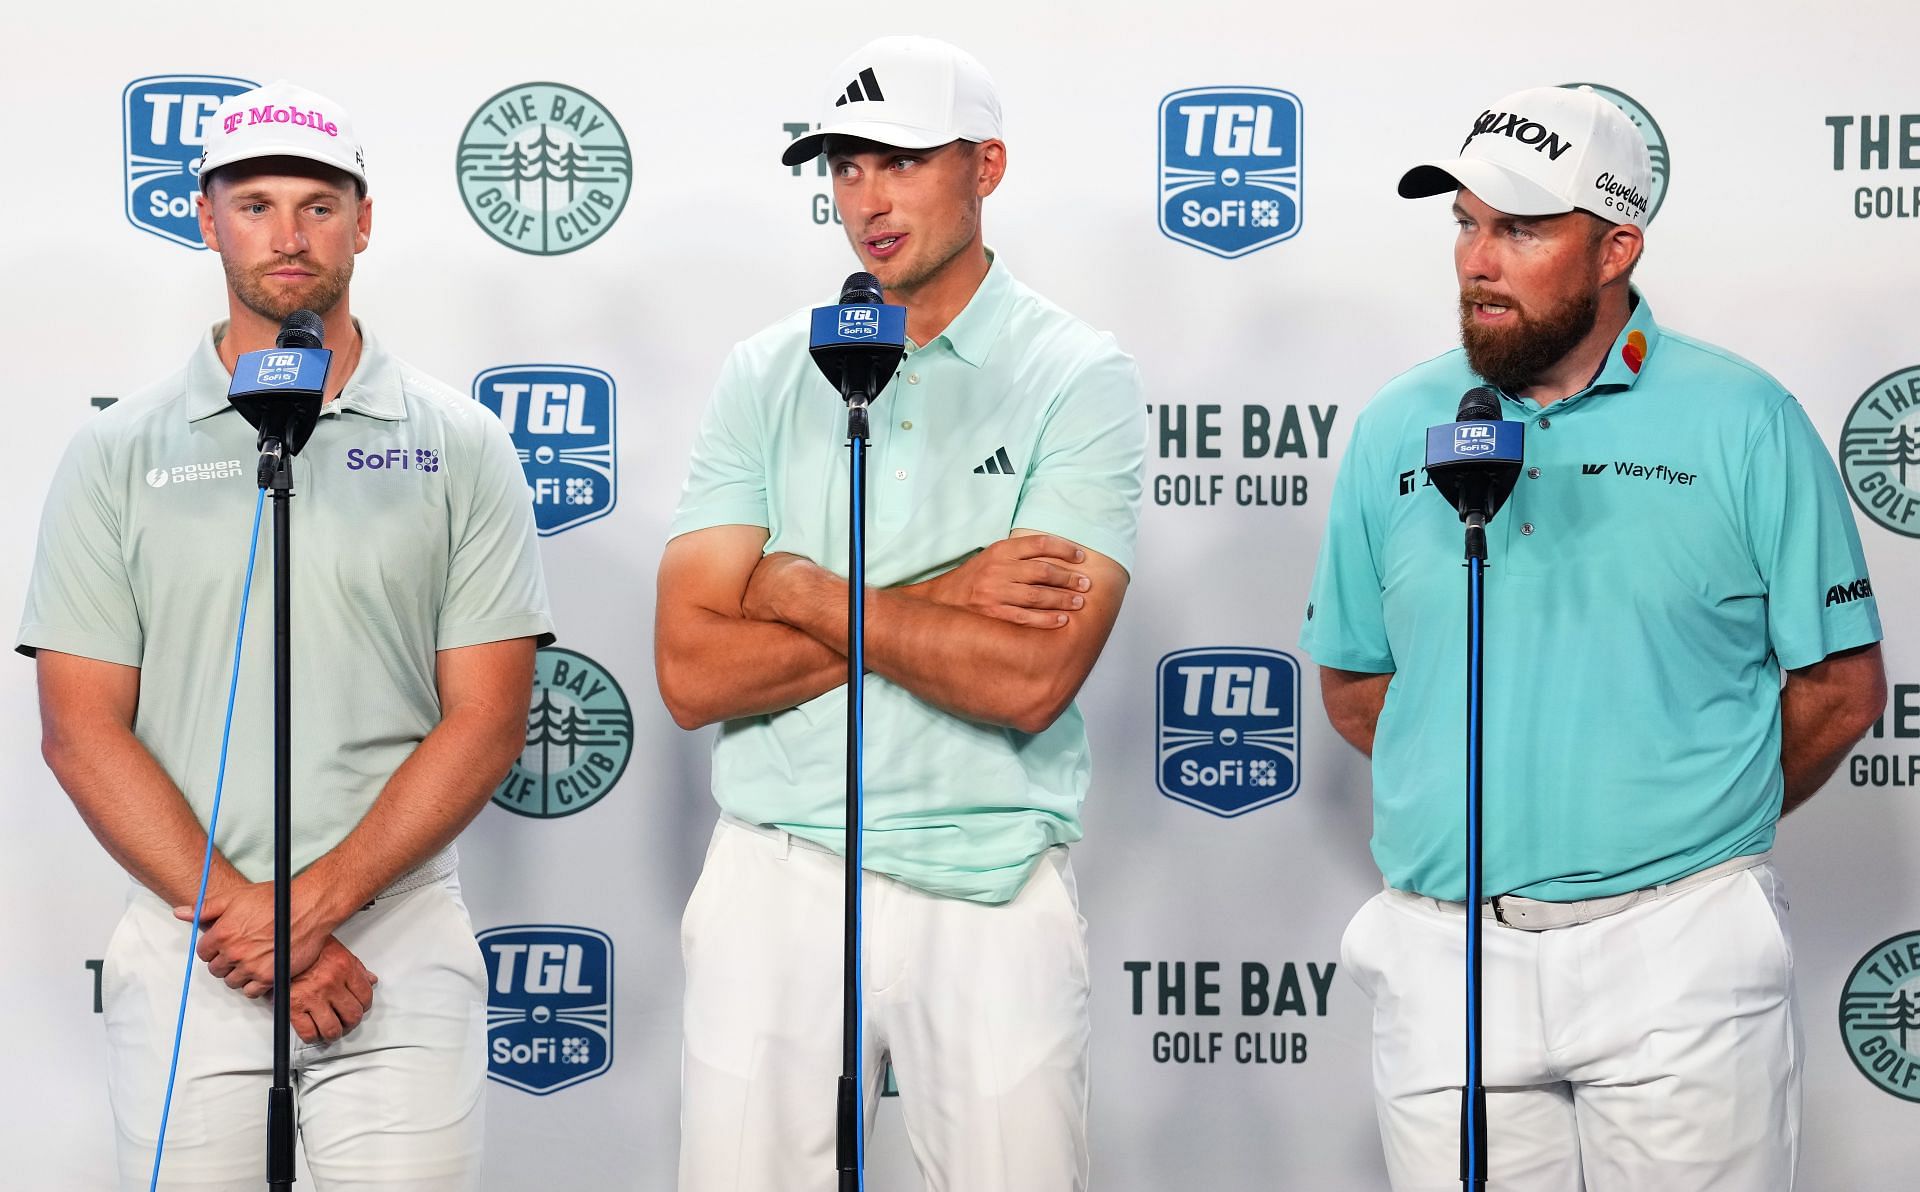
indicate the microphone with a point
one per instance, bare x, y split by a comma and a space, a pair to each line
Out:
280, 389
857, 343
1474, 462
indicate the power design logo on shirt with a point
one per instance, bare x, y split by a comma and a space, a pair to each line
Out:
549, 1005
1229, 728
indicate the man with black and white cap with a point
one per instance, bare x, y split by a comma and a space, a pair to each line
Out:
1665, 561
418, 602
1006, 462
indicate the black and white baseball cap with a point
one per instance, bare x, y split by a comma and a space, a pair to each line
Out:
1546, 151
282, 120
907, 92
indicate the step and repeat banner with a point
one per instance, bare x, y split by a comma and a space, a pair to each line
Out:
578, 209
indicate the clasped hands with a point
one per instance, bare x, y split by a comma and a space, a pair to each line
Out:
331, 992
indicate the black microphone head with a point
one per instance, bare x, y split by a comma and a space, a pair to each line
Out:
301, 329
1479, 404
861, 289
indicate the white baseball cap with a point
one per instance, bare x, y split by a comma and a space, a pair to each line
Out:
1545, 151
282, 120
907, 92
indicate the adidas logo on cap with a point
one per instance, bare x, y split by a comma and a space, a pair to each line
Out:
863, 88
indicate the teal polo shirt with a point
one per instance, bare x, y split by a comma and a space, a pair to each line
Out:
1678, 536
412, 534
1017, 415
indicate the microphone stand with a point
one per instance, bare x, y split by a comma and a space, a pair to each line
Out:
276, 473
849, 1147
1473, 1094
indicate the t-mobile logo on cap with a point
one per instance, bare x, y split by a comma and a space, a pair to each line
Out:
1521, 129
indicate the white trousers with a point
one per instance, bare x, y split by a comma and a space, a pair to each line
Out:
982, 1009
1655, 1050
394, 1104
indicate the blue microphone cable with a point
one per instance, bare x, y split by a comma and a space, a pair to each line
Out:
858, 646
206, 860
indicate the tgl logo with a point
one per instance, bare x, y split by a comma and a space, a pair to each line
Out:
549, 1005
1230, 168
1229, 728
165, 119
561, 417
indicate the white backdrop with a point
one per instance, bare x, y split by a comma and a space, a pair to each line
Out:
1758, 247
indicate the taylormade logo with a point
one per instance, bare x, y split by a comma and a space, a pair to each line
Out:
273, 115
1521, 129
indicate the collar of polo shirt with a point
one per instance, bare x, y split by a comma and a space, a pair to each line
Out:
973, 330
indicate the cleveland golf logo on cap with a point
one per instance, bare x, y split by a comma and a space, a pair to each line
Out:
1521, 129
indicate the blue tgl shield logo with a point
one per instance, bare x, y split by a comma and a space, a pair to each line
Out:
549, 1005
164, 119
1230, 168
1229, 728
561, 417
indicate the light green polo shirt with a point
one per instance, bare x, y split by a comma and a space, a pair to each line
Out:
143, 549
1678, 536
1017, 415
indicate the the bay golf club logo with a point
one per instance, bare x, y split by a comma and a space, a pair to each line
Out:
1230, 168
579, 738
164, 124
549, 1005
1649, 131
544, 168
1880, 1015
1229, 728
1880, 451
561, 417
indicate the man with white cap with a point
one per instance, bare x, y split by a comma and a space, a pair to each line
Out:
418, 601
1006, 460
1671, 551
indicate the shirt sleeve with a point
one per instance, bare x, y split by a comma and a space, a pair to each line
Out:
1345, 625
1084, 483
727, 470
1801, 531
80, 599
495, 587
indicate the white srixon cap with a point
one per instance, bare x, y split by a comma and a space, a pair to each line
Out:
1545, 151
282, 120
907, 92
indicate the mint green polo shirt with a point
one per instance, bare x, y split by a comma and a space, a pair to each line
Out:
143, 553
1679, 536
1017, 415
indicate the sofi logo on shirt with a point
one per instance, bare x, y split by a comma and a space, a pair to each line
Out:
393, 459
549, 1005
1228, 728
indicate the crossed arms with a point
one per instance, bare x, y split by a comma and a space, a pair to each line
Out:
87, 711
1007, 637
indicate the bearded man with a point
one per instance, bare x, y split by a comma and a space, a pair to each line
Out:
1665, 559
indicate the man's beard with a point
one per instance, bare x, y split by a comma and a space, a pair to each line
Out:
1516, 357
320, 295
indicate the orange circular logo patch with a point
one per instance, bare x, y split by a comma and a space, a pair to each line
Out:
1634, 351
